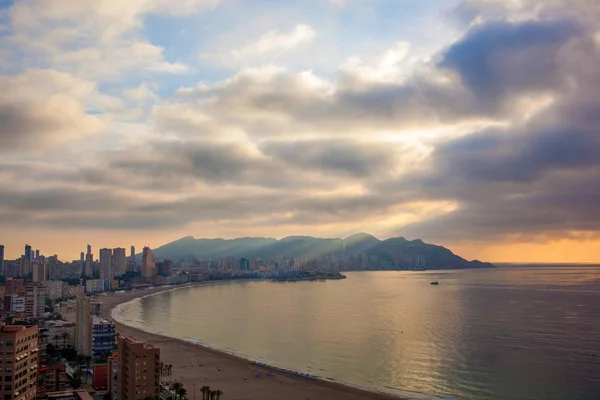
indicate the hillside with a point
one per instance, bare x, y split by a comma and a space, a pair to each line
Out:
394, 252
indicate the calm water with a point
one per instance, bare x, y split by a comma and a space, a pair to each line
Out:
510, 333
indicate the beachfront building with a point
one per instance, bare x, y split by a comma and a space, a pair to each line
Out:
103, 337
18, 348
139, 370
83, 327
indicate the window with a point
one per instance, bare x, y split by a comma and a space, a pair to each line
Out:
7, 387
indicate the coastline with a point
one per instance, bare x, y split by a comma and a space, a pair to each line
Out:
197, 364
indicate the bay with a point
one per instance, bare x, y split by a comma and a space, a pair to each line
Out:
514, 332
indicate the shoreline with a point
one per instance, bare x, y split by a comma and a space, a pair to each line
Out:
197, 364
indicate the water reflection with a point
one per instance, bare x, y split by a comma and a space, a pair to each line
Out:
516, 333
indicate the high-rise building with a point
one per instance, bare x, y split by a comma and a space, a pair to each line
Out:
103, 337
132, 253
39, 272
244, 264
119, 262
139, 370
2, 259
83, 327
37, 254
19, 349
148, 266
35, 300
106, 265
14, 286
28, 255
89, 259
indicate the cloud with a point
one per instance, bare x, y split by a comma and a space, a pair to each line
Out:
267, 47
495, 136
44, 107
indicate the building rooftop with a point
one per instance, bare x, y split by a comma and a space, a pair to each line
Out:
100, 321
131, 340
14, 328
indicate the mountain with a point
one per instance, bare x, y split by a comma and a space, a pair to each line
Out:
360, 249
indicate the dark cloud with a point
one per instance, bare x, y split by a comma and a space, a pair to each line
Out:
501, 59
336, 156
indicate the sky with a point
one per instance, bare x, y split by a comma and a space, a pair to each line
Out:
474, 124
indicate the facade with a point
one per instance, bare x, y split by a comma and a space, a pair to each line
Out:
103, 337
113, 373
14, 303
39, 272
119, 262
55, 289
95, 286
19, 347
139, 370
148, 266
14, 286
55, 378
83, 327
35, 300
100, 377
106, 264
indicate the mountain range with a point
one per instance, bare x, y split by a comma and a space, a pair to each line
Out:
394, 251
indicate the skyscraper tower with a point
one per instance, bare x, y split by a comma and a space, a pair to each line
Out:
83, 326
119, 261
132, 255
2, 259
148, 266
28, 255
37, 254
89, 258
106, 264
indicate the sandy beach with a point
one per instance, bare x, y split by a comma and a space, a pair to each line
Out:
195, 366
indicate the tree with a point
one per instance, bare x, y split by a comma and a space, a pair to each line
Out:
65, 336
204, 390
56, 338
175, 386
181, 393
76, 380
217, 393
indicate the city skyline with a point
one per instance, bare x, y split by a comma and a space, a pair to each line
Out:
468, 123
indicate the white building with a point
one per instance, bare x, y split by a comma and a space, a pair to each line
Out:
14, 303
94, 286
35, 300
55, 289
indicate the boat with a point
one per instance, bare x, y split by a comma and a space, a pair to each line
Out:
435, 283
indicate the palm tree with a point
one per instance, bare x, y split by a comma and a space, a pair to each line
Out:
175, 386
65, 336
170, 369
56, 338
217, 393
162, 370
181, 393
204, 390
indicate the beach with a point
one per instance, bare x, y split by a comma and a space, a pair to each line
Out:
196, 366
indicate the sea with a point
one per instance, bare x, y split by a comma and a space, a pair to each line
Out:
522, 332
